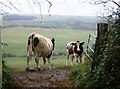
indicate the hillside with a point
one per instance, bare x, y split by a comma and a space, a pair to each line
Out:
69, 22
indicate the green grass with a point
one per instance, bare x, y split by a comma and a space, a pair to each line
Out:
0, 80
19, 63
16, 38
0, 77
77, 74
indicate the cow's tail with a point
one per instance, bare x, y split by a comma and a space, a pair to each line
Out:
53, 42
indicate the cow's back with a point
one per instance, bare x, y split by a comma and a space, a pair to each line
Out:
42, 45
70, 47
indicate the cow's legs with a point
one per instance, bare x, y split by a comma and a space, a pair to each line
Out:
80, 58
37, 60
49, 62
29, 57
44, 61
27, 63
72, 56
67, 59
76, 60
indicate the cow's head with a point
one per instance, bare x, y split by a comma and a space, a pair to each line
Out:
78, 46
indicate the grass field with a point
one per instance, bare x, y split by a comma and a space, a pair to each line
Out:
16, 38
19, 63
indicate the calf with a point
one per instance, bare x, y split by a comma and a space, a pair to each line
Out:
74, 49
41, 46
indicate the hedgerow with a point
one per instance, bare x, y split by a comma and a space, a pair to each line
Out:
6, 76
106, 71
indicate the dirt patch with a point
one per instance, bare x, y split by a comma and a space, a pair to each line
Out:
42, 78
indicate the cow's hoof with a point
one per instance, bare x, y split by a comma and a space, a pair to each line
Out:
27, 69
77, 61
49, 69
33, 70
38, 69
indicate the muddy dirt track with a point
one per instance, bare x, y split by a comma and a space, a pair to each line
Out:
41, 79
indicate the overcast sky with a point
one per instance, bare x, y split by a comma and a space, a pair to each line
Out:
59, 7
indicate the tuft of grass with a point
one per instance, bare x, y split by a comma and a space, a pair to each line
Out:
78, 73
6, 76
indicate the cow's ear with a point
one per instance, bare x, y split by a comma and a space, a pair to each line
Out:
82, 43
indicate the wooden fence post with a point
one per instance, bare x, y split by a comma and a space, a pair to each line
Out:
0, 58
102, 28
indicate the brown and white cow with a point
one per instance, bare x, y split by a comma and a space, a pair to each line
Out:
74, 49
41, 46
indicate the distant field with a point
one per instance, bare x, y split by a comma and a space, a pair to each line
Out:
54, 21
16, 38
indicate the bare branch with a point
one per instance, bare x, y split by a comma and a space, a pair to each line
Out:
110, 12
13, 5
30, 6
103, 2
5, 5
50, 5
33, 1
10, 4
40, 10
2, 12
116, 3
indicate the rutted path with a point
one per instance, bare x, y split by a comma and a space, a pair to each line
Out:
42, 78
